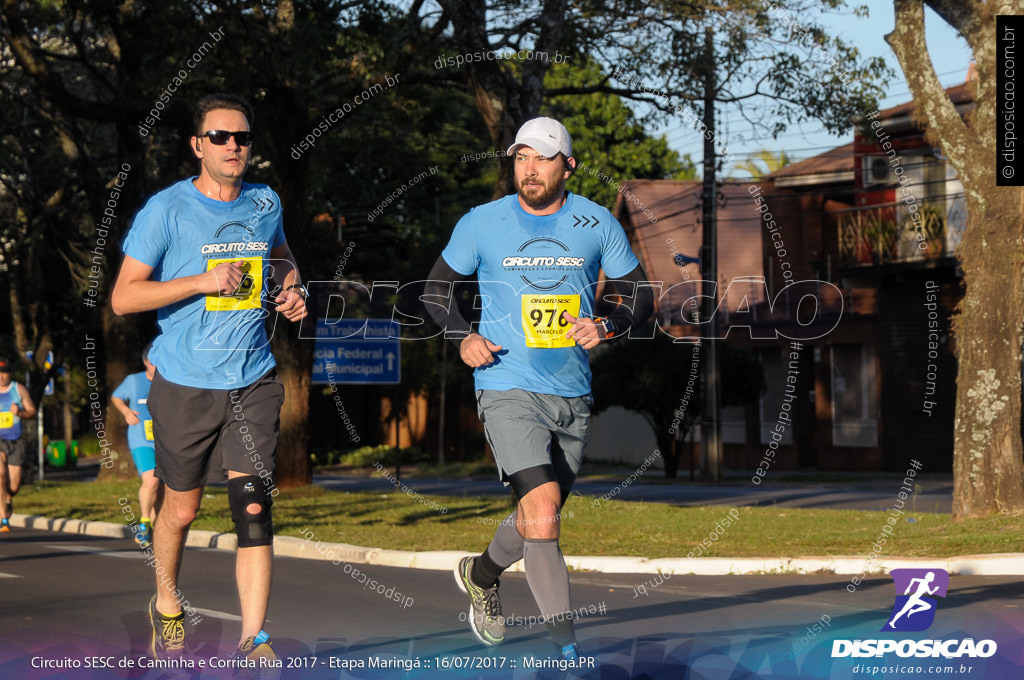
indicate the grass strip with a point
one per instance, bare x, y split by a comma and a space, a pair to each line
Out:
402, 521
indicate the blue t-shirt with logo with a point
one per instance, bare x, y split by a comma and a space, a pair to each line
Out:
532, 268
210, 341
134, 391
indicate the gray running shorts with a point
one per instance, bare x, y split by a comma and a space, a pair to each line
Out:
199, 434
527, 429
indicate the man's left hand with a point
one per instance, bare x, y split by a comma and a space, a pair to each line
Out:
292, 305
587, 333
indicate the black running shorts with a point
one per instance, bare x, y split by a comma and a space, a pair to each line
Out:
200, 434
15, 449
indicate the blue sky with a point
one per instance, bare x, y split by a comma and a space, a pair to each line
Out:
949, 53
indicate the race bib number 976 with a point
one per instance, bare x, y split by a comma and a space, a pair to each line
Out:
543, 322
248, 293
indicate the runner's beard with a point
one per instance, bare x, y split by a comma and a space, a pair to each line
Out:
541, 200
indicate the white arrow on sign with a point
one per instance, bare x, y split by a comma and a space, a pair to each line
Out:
391, 360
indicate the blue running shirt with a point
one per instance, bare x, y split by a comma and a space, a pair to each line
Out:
206, 339
10, 424
530, 269
134, 391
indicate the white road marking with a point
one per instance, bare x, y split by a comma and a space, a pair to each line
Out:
134, 554
213, 613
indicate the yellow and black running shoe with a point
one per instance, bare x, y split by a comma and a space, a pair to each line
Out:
168, 634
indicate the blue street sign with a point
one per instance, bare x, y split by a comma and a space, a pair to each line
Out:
49, 388
357, 351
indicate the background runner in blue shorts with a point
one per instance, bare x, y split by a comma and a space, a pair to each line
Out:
537, 255
131, 399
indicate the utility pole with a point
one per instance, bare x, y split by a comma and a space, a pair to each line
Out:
711, 430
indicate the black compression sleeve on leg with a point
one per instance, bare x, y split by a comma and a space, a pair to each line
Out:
525, 481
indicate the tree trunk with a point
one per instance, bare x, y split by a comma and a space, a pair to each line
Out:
988, 472
292, 458
988, 476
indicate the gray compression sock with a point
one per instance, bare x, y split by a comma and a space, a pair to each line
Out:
547, 575
505, 549
507, 546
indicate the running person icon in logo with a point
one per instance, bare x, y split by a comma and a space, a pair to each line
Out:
922, 582
915, 603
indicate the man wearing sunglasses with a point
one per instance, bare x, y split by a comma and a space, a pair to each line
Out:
209, 254
537, 255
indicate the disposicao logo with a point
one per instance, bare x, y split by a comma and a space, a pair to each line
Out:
914, 611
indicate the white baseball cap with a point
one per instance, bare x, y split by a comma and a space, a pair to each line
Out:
546, 135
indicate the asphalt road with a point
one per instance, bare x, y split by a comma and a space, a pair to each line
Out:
65, 598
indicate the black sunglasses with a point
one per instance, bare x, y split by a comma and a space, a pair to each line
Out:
221, 137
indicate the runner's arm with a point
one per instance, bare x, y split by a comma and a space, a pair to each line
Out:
286, 270
122, 407
27, 408
440, 285
134, 292
624, 318
290, 301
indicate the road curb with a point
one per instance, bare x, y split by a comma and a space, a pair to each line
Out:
995, 564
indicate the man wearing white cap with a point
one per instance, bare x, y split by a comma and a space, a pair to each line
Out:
537, 255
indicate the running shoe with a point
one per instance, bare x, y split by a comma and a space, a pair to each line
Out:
168, 634
571, 652
256, 660
144, 536
485, 617
5, 526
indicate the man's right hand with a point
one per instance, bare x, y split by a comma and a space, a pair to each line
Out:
476, 350
132, 417
223, 279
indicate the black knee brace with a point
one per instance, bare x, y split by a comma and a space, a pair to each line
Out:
252, 529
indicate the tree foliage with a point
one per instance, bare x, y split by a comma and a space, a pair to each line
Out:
764, 162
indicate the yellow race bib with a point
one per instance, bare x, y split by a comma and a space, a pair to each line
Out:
248, 293
543, 322
148, 424
6, 420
